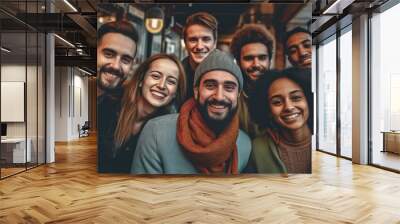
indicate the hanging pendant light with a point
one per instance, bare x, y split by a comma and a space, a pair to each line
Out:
154, 20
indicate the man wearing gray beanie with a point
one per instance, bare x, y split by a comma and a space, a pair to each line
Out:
218, 60
204, 138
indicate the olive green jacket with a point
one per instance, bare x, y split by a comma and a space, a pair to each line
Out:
246, 122
264, 157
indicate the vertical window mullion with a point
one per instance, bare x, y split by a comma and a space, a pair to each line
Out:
26, 86
338, 100
317, 96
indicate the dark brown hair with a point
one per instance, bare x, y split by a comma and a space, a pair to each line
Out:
248, 34
291, 33
122, 27
259, 106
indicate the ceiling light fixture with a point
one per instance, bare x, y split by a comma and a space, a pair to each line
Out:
107, 19
70, 5
154, 20
65, 41
5, 50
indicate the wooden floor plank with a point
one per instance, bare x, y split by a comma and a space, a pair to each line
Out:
71, 191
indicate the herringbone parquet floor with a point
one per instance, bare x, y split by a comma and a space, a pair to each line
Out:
71, 191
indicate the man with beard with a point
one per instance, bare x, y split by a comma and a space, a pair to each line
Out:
252, 48
204, 137
298, 47
200, 36
116, 49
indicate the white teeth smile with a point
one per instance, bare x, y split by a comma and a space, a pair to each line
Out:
199, 54
255, 74
109, 74
218, 106
158, 94
290, 117
109, 77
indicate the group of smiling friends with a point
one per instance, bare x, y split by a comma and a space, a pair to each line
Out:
215, 112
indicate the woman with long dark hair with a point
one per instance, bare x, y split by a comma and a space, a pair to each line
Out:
282, 103
158, 83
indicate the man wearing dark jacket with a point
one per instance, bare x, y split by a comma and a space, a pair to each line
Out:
252, 47
298, 47
116, 49
200, 36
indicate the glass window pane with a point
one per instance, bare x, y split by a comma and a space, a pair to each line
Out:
22, 62
346, 94
41, 99
13, 86
31, 97
314, 90
385, 89
327, 96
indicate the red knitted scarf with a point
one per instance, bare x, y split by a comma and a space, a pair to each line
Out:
209, 153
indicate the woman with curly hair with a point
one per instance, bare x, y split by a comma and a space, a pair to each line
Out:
282, 103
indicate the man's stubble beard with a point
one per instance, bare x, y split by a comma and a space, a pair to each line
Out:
249, 83
216, 125
111, 88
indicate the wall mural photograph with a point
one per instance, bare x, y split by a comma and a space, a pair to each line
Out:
204, 88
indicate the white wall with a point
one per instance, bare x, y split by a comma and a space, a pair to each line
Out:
81, 102
61, 103
33, 127
71, 102
16, 73
12, 73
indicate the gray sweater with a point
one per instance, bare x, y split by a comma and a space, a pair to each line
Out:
158, 151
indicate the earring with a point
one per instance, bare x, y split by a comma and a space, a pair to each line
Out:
140, 85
